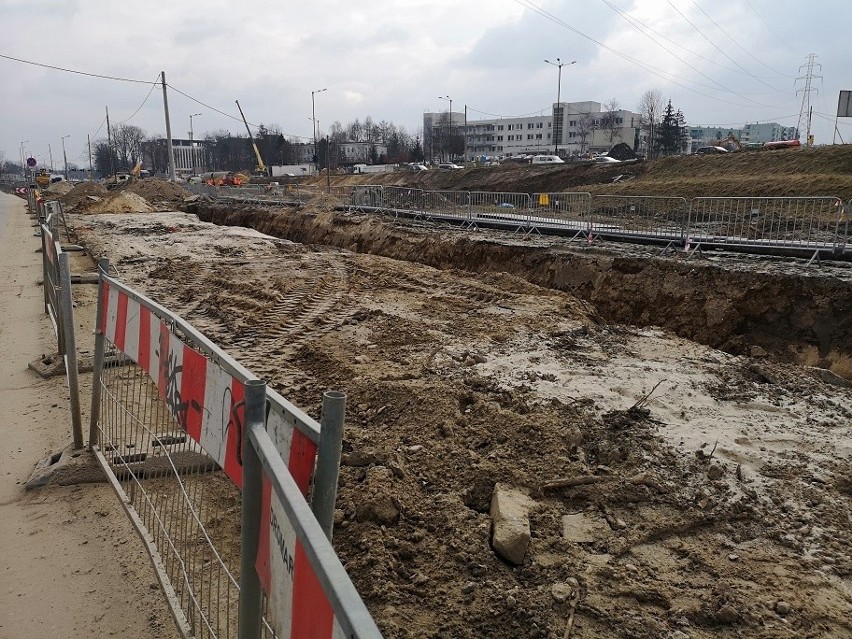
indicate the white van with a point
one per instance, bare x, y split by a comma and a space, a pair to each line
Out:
547, 159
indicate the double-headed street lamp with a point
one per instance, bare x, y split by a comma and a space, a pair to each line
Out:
191, 144
449, 122
314, 117
65, 157
557, 124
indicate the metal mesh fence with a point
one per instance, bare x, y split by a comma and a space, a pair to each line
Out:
503, 209
767, 221
570, 211
447, 204
188, 508
648, 217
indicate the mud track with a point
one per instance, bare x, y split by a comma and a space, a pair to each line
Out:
798, 313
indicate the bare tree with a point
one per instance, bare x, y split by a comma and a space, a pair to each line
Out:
609, 121
651, 110
127, 145
585, 129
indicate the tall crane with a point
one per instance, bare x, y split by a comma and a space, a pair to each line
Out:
260, 169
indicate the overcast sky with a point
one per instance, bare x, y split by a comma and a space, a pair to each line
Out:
721, 63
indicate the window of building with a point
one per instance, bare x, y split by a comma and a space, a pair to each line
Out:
499, 127
539, 125
619, 120
508, 127
509, 138
529, 136
572, 134
538, 136
530, 125
499, 138
572, 123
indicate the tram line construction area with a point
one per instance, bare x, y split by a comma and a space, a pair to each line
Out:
674, 432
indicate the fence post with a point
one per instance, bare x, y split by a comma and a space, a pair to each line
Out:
250, 611
328, 459
67, 329
100, 347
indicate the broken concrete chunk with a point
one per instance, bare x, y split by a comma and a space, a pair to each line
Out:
510, 525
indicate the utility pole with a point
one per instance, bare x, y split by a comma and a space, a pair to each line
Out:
50, 155
170, 147
91, 168
109, 146
191, 143
806, 110
314, 119
65, 157
465, 133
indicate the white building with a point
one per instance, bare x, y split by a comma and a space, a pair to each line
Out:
573, 128
189, 157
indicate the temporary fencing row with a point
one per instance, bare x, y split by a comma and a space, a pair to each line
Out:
59, 305
803, 224
170, 410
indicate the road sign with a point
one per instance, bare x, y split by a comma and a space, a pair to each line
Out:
31, 162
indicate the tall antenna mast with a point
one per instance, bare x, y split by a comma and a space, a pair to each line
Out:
806, 109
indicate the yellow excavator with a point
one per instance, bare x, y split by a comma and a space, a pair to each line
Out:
260, 169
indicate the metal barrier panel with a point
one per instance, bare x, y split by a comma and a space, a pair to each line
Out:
791, 222
52, 284
447, 204
369, 196
569, 211
169, 427
505, 209
640, 217
402, 199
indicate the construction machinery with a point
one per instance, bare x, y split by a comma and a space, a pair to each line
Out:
260, 169
730, 143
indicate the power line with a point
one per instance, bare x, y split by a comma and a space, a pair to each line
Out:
227, 115
665, 75
150, 91
719, 49
56, 68
641, 26
734, 40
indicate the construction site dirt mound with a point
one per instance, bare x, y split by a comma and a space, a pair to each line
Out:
80, 197
59, 188
156, 190
120, 202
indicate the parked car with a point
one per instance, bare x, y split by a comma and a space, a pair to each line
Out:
605, 159
449, 166
418, 167
547, 159
705, 150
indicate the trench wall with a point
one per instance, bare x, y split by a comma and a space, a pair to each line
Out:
806, 319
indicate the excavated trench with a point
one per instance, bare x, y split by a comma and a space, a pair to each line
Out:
740, 304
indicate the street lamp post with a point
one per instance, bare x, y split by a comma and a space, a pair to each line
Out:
449, 122
65, 157
314, 118
191, 143
23, 159
557, 127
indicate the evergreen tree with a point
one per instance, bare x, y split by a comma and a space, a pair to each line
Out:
669, 132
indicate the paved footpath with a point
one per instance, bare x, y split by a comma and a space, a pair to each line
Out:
71, 564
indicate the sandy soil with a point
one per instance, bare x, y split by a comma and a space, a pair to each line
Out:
711, 491
71, 566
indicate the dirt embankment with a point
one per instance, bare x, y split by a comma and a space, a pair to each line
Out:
798, 314
821, 171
